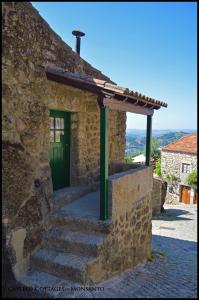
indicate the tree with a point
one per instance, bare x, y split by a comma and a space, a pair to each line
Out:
192, 179
155, 152
158, 167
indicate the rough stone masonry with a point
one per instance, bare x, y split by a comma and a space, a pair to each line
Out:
30, 45
171, 163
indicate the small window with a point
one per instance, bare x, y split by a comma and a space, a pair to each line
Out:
59, 136
59, 123
185, 168
52, 136
51, 123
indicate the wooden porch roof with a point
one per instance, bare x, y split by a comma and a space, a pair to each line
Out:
118, 98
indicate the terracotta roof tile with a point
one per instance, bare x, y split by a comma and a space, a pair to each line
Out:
186, 144
106, 86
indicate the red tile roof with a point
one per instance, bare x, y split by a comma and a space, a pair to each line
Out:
186, 144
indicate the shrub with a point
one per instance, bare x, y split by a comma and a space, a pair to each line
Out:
128, 159
172, 178
192, 179
158, 167
155, 152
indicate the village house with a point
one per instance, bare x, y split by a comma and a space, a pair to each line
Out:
72, 208
179, 159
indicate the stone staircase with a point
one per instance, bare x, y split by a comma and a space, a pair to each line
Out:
69, 254
66, 195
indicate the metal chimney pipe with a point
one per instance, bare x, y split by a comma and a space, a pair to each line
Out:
78, 35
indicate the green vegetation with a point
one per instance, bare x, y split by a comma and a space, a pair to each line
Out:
135, 142
172, 178
158, 167
151, 258
155, 253
135, 145
170, 137
155, 144
172, 182
158, 252
192, 179
128, 159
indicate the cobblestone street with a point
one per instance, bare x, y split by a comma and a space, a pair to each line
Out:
172, 272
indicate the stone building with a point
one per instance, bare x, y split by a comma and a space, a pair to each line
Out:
179, 159
158, 195
72, 209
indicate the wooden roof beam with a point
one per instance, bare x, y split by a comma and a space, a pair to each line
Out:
127, 107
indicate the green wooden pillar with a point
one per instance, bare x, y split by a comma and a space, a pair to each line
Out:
148, 140
103, 163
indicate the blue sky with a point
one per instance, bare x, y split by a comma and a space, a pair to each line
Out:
149, 47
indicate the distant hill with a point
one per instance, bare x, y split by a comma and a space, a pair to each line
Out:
170, 137
136, 138
156, 132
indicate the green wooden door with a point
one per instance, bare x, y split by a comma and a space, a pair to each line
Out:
60, 148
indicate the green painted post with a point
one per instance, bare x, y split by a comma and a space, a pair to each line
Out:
103, 163
148, 140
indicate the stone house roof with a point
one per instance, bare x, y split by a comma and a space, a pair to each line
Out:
96, 85
186, 144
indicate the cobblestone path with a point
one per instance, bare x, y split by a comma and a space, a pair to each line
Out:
172, 272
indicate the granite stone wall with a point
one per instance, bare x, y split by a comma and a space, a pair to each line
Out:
30, 45
129, 241
158, 196
171, 164
172, 198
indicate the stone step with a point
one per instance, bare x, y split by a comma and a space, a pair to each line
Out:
87, 224
81, 215
66, 195
73, 241
65, 265
47, 285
